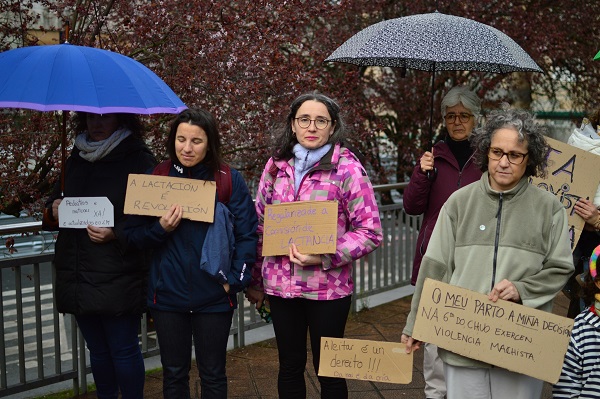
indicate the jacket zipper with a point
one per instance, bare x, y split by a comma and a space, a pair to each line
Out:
460, 172
497, 240
296, 196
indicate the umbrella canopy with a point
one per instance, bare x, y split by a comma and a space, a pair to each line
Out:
597, 57
77, 78
435, 42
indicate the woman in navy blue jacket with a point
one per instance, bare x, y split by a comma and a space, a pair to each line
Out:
186, 301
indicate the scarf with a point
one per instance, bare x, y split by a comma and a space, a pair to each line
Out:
461, 149
305, 159
92, 151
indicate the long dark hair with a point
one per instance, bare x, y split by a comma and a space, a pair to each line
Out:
284, 137
129, 121
203, 119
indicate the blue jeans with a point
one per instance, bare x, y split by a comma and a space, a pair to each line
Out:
210, 332
292, 318
115, 355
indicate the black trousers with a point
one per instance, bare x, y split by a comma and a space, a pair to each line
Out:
292, 319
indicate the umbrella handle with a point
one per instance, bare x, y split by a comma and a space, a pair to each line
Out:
63, 153
431, 174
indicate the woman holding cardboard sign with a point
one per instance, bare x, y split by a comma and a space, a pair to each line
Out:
197, 267
308, 291
500, 236
99, 278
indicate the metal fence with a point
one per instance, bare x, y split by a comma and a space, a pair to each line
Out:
40, 347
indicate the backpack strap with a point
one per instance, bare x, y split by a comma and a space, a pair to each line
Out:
163, 168
222, 179
224, 185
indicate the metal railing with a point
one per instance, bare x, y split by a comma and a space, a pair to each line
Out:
40, 347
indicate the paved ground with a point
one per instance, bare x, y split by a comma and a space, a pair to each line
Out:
252, 370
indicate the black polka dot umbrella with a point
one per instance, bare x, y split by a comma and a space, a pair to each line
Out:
434, 42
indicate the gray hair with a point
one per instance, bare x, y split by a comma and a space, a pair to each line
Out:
464, 96
528, 130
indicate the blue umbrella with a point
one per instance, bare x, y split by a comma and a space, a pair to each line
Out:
76, 78
66, 77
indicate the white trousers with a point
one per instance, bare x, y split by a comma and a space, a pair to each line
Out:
490, 383
433, 372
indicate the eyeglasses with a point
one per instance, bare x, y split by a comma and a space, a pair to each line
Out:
516, 158
463, 117
320, 123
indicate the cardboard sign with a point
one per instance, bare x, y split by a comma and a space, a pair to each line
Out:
153, 196
311, 225
359, 359
505, 334
572, 174
80, 212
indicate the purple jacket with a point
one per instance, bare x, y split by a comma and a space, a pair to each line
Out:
425, 197
337, 176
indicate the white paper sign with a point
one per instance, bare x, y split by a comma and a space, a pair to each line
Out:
80, 212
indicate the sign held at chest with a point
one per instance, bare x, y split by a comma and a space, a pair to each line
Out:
153, 195
311, 225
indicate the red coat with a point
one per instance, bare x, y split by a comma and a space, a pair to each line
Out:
426, 197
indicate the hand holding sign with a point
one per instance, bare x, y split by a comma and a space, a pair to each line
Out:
170, 220
100, 235
303, 260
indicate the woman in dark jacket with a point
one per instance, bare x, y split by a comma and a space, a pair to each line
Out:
186, 301
448, 167
99, 278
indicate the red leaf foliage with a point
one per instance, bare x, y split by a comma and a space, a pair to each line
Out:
245, 60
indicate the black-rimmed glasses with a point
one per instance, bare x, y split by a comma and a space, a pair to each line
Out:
320, 123
516, 158
463, 117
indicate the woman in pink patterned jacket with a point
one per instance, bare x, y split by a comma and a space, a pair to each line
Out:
308, 292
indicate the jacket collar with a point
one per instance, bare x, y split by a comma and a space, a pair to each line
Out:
198, 171
329, 161
520, 188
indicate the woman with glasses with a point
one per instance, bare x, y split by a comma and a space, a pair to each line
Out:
432, 182
503, 237
310, 292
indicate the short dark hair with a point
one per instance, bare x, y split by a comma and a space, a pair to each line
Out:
205, 120
284, 137
589, 288
528, 130
130, 121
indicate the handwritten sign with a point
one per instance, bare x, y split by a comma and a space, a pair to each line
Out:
572, 174
359, 359
505, 334
153, 195
80, 212
311, 225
